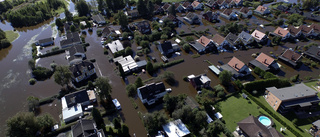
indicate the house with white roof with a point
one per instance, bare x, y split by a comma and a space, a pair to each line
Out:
115, 46
176, 129
128, 64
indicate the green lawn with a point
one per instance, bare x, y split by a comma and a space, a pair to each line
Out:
11, 35
312, 84
236, 108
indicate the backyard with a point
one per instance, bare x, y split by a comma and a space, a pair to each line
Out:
236, 108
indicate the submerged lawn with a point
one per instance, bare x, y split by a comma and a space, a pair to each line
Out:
235, 108
11, 35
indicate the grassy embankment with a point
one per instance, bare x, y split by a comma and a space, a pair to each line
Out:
12, 35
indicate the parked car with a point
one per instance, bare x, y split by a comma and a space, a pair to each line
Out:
164, 59
220, 62
116, 103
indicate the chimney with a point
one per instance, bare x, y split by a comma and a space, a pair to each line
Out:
201, 41
292, 57
279, 32
235, 65
265, 61
255, 34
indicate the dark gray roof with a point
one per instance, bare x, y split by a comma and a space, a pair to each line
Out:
75, 49
45, 40
314, 52
76, 97
98, 18
142, 63
303, 102
165, 47
84, 128
150, 90
191, 16
293, 92
106, 31
259, 65
244, 36
231, 38
77, 67
72, 38
316, 123
197, 46
228, 68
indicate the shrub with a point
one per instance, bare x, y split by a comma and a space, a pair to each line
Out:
189, 38
41, 73
32, 81
186, 47
313, 64
260, 85
99, 33
185, 78
131, 90
171, 63
221, 94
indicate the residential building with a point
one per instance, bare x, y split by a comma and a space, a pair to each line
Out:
166, 6
86, 128
72, 38
176, 129
245, 12
310, 31
178, 7
128, 64
252, 127
45, 42
99, 19
107, 32
284, 34
143, 26
152, 92
211, 16
315, 129
166, 48
262, 10
202, 44
245, 38
314, 53
238, 2
74, 103
115, 46
158, 9
229, 14
132, 14
197, 5
187, 6
81, 70
219, 41
220, 3
211, 3
297, 98
172, 18
295, 32
200, 81
237, 68
75, 52
229, 3
282, 8
192, 18
290, 57
264, 62
259, 36
232, 39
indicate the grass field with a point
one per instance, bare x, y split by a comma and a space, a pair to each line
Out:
236, 108
11, 35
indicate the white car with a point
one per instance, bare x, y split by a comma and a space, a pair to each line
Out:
116, 103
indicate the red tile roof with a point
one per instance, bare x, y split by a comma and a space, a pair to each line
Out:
261, 8
316, 27
291, 55
204, 41
244, 10
195, 3
258, 34
227, 12
293, 30
264, 59
218, 39
237, 1
305, 28
236, 64
281, 32
186, 4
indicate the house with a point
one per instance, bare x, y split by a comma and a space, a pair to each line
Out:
298, 98
295, 32
75, 52
166, 6
220, 3
264, 62
238, 2
229, 3
314, 53
252, 127
74, 103
219, 41
262, 10
132, 14
315, 129
128, 64
290, 57
284, 34
211, 3
200, 81
72, 38
150, 93
311, 16
166, 48
178, 7
211, 16
99, 19
45, 42
172, 18
202, 44
86, 128
197, 5
310, 31
295, 11
229, 14
282, 8
115, 46
143, 27
245, 12
158, 9
232, 39
81, 70
259, 36
192, 18
245, 38
187, 6
108, 32
176, 129
237, 68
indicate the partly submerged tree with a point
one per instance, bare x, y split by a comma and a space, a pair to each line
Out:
62, 75
103, 85
225, 77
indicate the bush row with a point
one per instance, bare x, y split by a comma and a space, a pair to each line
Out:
272, 113
47, 100
171, 63
262, 84
266, 18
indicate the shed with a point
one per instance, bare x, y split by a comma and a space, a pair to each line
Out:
214, 69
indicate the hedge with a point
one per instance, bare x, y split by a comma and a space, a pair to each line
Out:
262, 84
47, 100
266, 18
172, 63
272, 113
52, 53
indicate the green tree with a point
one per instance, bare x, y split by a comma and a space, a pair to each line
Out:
138, 83
98, 118
59, 23
128, 51
82, 8
149, 68
154, 121
68, 14
116, 123
33, 103
276, 40
62, 75
73, 28
23, 124
295, 19
105, 88
186, 47
121, 71
200, 119
131, 90
172, 10
169, 77
142, 8
218, 88
124, 130
307, 4
123, 20
150, 8
45, 122
170, 103
225, 77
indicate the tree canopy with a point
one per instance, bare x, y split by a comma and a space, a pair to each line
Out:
225, 77
4, 42
62, 75
142, 8
104, 86
82, 8
123, 20
307, 4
